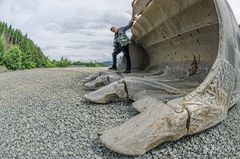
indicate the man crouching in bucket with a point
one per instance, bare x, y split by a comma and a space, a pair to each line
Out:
121, 44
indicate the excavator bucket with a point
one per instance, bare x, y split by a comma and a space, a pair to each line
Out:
186, 73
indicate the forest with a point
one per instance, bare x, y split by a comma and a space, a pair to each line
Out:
19, 52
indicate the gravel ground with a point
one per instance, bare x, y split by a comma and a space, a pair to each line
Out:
43, 115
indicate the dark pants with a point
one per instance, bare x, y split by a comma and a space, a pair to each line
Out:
125, 50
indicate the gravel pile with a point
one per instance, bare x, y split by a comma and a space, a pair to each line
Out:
43, 115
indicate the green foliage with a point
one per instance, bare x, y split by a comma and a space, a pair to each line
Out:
20, 48
18, 52
13, 59
49, 64
27, 62
64, 62
89, 64
2, 50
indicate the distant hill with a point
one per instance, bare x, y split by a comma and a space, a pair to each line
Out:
88, 64
17, 51
108, 63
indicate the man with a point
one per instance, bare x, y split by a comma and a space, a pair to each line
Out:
121, 44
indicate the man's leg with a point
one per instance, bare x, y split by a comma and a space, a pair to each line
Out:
125, 50
114, 56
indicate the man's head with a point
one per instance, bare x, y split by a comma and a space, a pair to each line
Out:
114, 29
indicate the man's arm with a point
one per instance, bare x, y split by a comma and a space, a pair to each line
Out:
128, 26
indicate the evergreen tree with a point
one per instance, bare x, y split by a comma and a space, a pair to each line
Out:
18, 51
13, 59
20, 48
2, 50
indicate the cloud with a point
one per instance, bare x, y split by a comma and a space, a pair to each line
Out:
235, 4
77, 29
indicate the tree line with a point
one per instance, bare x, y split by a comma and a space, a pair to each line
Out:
64, 62
19, 52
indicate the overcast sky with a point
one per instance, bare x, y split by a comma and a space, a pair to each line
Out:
76, 29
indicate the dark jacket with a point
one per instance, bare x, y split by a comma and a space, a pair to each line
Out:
120, 38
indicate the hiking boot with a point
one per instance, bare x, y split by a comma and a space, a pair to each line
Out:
127, 71
112, 68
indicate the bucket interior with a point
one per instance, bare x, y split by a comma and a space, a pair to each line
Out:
180, 39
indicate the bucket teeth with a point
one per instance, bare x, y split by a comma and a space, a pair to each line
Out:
91, 77
189, 73
108, 93
146, 130
102, 81
145, 103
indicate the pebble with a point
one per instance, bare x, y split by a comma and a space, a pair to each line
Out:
43, 115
